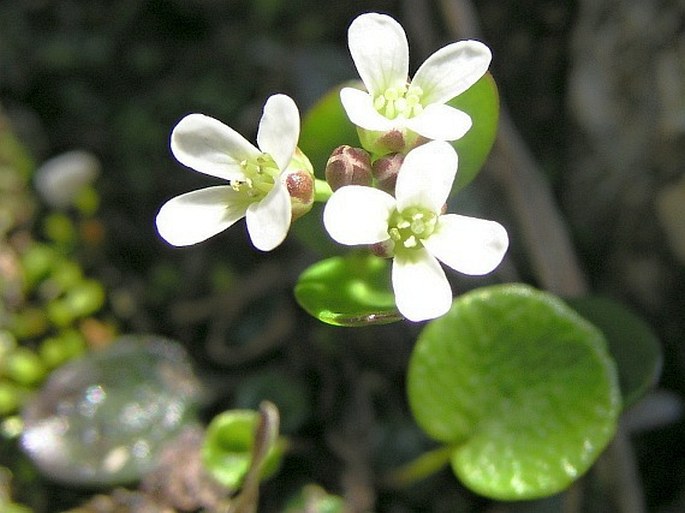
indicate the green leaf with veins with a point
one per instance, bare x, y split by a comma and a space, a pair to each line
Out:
520, 386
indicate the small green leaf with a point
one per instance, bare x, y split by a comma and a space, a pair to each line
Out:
632, 343
352, 290
520, 386
481, 102
227, 449
314, 499
324, 128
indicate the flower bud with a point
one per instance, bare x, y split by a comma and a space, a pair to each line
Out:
383, 249
392, 141
385, 171
348, 166
299, 180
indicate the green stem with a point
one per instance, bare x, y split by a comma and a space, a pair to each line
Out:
425, 465
322, 191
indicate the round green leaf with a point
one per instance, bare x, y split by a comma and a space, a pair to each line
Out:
632, 343
520, 386
481, 102
351, 290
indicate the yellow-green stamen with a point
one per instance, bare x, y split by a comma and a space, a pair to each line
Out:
260, 176
409, 227
403, 101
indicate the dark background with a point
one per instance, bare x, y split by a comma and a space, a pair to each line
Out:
596, 89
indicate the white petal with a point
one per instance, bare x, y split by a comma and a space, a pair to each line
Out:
468, 244
380, 51
268, 221
426, 176
358, 215
279, 129
208, 146
421, 289
196, 216
452, 70
359, 108
440, 122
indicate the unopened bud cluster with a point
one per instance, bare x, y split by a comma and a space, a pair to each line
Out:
352, 166
348, 166
391, 141
385, 171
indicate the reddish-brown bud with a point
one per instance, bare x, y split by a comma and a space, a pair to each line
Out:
383, 249
385, 171
418, 141
392, 141
300, 185
348, 166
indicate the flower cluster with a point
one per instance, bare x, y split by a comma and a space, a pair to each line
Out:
395, 117
389, 194
412, 227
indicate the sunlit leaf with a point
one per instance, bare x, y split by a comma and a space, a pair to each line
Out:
352, 290
228, 448
520, 386
632, 343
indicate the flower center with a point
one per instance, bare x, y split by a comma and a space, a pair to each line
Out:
403, 101
260, 175
407, 228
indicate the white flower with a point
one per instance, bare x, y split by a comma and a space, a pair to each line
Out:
380, 52
256, 190
421, 234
